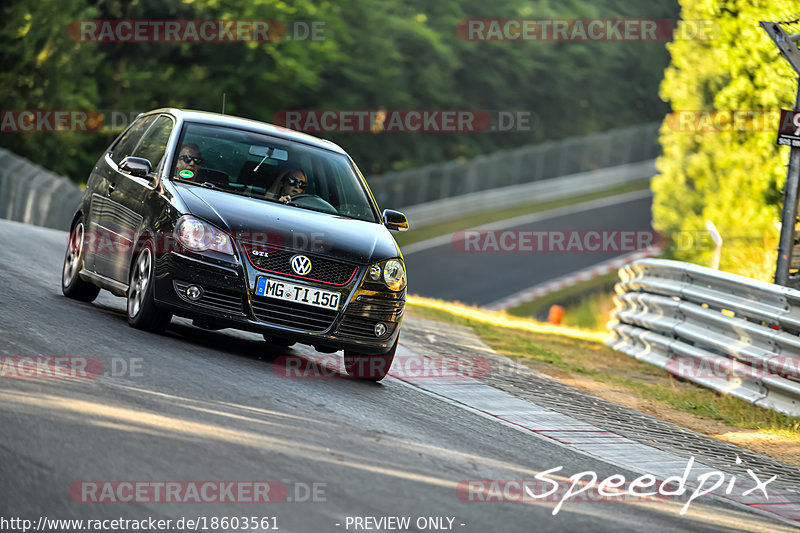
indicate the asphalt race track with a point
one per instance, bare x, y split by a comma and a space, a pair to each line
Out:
212, 408
489, 274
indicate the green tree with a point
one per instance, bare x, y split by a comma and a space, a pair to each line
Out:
46, 70
709, 170
392, 54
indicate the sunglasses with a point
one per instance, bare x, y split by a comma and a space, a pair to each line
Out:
189, 159
297, 182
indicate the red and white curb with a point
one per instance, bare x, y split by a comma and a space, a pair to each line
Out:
600, 269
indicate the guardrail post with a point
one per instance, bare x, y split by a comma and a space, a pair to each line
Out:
789, 216
789, 51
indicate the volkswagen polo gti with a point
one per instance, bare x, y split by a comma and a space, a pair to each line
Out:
239, 224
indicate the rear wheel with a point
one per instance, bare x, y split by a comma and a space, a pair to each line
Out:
142, 310
369, 367
71, 283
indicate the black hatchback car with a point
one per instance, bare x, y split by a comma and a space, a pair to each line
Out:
239, 224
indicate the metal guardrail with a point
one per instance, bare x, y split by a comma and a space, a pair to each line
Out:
429, 194
506, 168
34, 195
730, 333
429, 213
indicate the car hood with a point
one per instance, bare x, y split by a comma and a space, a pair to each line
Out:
292, 227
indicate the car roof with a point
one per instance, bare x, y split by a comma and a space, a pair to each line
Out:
218, 119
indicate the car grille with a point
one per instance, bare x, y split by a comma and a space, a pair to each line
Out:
323, 270
292, 315
216, 299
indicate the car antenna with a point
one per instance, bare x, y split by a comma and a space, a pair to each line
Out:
223, 103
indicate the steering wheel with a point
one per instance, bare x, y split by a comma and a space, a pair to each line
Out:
313, 201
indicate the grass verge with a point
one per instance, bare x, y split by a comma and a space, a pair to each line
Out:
587, 303
579, 357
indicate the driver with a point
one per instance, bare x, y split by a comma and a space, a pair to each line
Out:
290, 183
190, 159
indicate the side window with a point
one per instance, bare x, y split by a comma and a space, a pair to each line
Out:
130, 139
154, 143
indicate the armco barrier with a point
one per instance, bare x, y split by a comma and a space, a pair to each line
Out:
519, 166
429, 194
558, 188
34, 195
730, 333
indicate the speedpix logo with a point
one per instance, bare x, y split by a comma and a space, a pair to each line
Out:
587, 486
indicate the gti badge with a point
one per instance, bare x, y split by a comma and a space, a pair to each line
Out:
260, 253
301, 265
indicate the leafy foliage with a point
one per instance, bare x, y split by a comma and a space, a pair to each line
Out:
709, 170
389, 54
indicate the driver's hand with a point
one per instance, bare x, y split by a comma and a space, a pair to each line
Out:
285, 198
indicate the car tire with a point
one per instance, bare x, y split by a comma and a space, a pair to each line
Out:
369, 367
279, 341
71, 283
141, 308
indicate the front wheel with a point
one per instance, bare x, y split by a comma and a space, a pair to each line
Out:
71, 283
369, 367
142, 310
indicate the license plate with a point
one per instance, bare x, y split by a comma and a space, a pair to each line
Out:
302, 294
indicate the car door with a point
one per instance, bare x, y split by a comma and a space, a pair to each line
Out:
134, 198
104, 214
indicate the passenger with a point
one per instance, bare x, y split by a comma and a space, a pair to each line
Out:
290, 183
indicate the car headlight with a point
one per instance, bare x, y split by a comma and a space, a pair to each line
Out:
200, 236
394, 275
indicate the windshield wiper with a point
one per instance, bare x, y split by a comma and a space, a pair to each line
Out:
206, 184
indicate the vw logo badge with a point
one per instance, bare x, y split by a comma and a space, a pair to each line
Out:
301, 265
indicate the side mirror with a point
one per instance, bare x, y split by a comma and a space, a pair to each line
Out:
395, 220
135, 166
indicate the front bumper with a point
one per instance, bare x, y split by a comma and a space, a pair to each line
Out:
228, 301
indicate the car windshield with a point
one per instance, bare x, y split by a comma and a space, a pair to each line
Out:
272, 169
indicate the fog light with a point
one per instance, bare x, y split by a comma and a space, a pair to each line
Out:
193, 292
380, 329
375, 272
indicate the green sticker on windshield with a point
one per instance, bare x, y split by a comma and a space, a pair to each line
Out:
187, 174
